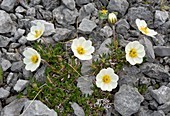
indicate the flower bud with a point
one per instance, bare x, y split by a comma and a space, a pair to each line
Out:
112, 18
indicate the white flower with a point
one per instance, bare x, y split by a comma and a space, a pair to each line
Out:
36, 31
32, 59
106, 79
134, 52
142, 26
112, 18
82, 48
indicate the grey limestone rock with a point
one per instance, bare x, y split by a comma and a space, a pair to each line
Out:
165, 107
62, 34
141, 13
77, 109
8, 5
119, 6
4, 93
82, 2
85, 84
20, 9
161, 95
20, 85
122, 27
160, 17
148, 48
14, 108
127, 100
107, 31
162, 51
87, 26
86, 67
86, 11
65, 16
5, 64
6, 23
158, 113
155, 71
17, 66
37, 108
4, 41
50, 4
40, 74
69, 4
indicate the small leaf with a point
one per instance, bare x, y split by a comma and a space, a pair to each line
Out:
1, 75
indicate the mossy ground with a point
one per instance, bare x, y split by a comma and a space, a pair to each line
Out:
62, 72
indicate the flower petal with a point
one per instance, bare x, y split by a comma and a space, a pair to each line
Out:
31, 37
87, 44
26, 60
90, 50
113, 85
138, 60
81, 40
141, 54
130, 60
152, 33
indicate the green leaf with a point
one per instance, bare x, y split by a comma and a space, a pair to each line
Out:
1, 75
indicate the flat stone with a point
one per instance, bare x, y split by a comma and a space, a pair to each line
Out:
155, 71
119, 6
62, 34
141, 13
49, 27
14, 108
37, 108
69, 4
165, 107
50, 4
107, 31
5, 64
65, 16
77, 109
4, 93
20, 9
162, 51
122, 27
158, 113
86, 11
6, 24
22, 40
103, 49
161, 95
87, 26
82, 2
8, 5
4, 41
86, 67
150, 54
46, 15
20, 85
127, 100
160, 17
17, 66
40, 74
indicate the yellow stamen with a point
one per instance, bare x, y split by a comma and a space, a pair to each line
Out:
38, 33
103, 11
133, 53
106, 79
34, 59
144, 30
81, 50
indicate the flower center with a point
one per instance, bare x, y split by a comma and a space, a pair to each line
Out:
104, 11
81, 50
106, 79
38, 33
133, 53
144, 29
34, 59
